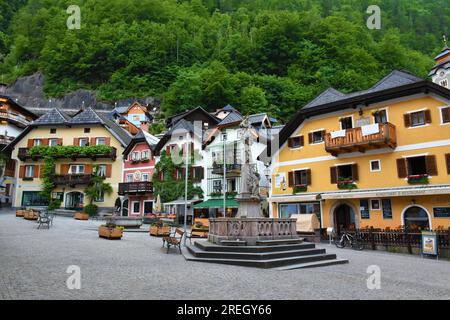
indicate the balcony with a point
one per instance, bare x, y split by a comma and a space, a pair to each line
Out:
24, 154
16, 118
355, 141
230, 168
71, 179
135, 187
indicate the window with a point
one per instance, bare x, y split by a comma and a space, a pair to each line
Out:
33, 198
129, 177
346, 123
76, 169
217, 186
417, 118
37, 142
296, 142
375, 165
287, 210
148, 207
232, 185
316, 137
180, 138
100, 197
444, 83
53, 130
29, 171
136, 207
387, 208
416, 166
145, 155
301, 177
100, 141
375, 204
144, 177
52, 142
101, 170
87, 130
380, 116
445, 112
136, 118
345, 172
82, 142
364, 209
224, 137
135, 156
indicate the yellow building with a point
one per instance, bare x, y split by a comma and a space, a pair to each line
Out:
379, 157
72, 175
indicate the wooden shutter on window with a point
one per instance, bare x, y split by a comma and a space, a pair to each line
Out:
88, 169
65, 168
445, 114
427, 116
108, 141
41, 171
60, 142
401, 168
76, 141
92, 142
430, 162
191, 148
30, 143
310, 137
333, 175
308, 177
108, 170
291, 179
407, 120
447, 160
302, 141
290, 142
355, 174
167, 150
21, 171
45, 142
35, 171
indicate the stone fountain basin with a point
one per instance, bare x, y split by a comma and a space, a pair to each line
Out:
128, 222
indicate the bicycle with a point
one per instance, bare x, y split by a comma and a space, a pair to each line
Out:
354, 241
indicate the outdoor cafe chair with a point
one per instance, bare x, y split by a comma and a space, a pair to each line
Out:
43, 218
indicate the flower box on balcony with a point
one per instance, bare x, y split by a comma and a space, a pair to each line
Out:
300, 188
27, 179
418, 179
346, 184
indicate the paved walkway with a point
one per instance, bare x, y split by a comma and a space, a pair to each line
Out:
33, 265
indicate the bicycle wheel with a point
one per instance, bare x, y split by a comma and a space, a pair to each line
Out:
340, 242
358, 245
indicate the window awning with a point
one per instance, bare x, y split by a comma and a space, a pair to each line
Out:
216, 203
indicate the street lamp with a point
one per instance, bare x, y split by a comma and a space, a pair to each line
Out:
186, 186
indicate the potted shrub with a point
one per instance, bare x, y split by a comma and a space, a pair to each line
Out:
54, 204
89, 210
110, 231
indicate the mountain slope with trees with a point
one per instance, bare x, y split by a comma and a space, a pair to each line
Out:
258, 55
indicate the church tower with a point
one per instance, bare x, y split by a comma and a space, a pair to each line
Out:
440, 74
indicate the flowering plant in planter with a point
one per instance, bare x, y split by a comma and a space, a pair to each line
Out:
418, 179
300, 188
346, 183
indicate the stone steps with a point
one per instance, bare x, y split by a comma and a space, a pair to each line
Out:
65, 212
268, 254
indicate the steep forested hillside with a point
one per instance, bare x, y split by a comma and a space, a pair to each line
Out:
259, 55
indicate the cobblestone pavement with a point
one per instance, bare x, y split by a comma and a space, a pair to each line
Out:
33, 265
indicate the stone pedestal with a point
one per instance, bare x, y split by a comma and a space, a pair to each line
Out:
249, 206
251, 229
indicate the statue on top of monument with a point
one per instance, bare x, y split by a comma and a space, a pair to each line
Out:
250, 179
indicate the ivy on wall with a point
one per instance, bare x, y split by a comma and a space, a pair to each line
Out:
170, 189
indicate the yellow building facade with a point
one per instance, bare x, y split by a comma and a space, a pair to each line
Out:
72, 175
377, 158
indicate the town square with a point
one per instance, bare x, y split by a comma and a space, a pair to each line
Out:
224, 150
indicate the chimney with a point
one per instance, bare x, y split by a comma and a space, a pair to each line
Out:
145, 126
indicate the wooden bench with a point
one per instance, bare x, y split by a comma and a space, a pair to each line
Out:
174, 239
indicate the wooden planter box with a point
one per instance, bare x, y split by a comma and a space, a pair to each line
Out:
30, 215
20, 213
81, 216
200, 233
159, 231
110, 233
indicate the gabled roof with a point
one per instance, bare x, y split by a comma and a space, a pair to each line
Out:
22, 109
232, 117
171, 121
88, 116
52, 117
181, 126
142, 136
395, 85
444, 63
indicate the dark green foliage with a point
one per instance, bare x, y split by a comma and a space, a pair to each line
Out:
258, 55
91, 209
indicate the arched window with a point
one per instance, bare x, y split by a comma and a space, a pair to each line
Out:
416, 218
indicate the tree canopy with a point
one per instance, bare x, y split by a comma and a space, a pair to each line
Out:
258, 55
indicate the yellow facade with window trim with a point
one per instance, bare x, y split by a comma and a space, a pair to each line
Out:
429, 139
68, 134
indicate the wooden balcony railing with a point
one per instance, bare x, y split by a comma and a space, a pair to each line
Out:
355, 141
135, 187
19, 119
24, 154
230, 168
71, 179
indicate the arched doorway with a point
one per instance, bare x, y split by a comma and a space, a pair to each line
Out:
74, 200
344, 218
416, 218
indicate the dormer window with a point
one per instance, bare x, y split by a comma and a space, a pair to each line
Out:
135, 156
145, 155
444, 83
